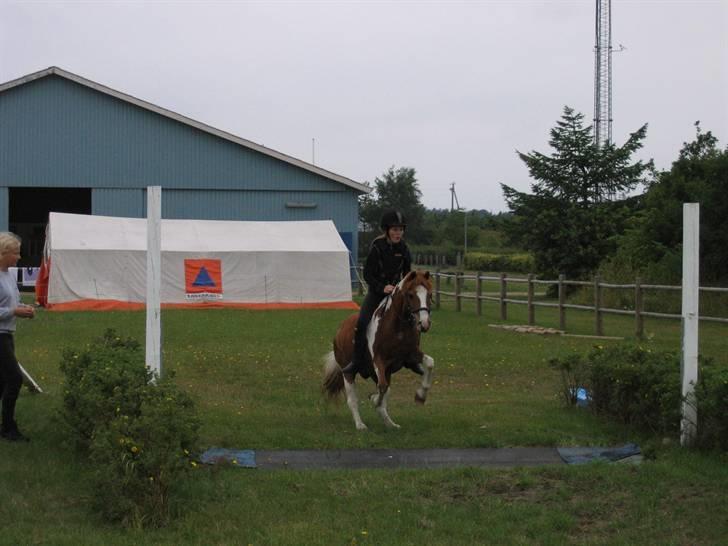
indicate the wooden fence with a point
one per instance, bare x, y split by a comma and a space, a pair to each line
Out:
531, 282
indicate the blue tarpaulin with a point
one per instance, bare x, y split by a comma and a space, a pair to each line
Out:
237, 457
581, 455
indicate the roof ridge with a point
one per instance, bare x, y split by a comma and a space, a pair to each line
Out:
141, 103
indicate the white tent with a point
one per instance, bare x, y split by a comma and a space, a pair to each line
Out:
100, 262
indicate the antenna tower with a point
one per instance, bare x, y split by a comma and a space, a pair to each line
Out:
603, 74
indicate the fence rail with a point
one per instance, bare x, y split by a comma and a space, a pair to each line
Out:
597, 285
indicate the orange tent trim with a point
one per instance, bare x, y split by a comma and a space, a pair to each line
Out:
115, 305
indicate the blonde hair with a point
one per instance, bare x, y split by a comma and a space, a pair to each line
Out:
8, 241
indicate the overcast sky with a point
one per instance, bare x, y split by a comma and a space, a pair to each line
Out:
451, 89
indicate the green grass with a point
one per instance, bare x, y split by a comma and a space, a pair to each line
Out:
255, 376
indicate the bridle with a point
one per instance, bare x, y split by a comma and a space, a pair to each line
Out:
410, 315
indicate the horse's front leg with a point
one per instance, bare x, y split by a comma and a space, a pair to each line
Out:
380, 402
353, 402
429, 366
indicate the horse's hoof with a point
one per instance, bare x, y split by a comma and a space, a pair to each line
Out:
392, 424
361, 426
420, 399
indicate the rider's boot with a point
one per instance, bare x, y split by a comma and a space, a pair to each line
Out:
357, 362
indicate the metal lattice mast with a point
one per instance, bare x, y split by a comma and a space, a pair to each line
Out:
603, 74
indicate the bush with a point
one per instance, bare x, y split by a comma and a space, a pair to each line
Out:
140, 457
711, 395
643, 388
515, 263
421, 254
636, 386
574, 375
98, 379
138, 431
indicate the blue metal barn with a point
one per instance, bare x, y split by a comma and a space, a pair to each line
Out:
68, 144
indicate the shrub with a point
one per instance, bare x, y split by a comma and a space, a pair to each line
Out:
574, 375
138, 431
711, 395
424, 253
516, 263
636, 386
97, 380
643, 388
140, 457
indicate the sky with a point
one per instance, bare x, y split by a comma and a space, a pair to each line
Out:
451, 89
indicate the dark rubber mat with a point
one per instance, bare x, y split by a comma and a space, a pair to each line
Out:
406, 458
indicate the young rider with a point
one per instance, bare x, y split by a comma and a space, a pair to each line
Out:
388, 261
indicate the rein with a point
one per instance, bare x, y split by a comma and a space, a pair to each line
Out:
408, 315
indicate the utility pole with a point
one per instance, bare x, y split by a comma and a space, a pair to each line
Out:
455, 206
453, 198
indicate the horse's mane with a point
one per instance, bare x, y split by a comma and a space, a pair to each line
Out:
408, 282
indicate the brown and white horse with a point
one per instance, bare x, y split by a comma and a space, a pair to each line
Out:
393, 338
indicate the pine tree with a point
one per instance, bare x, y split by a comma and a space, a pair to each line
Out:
577, 204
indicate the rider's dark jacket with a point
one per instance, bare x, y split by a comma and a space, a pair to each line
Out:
386, 263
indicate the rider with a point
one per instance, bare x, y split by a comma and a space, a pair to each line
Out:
388, 261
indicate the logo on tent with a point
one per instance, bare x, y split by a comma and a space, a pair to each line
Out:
203, 279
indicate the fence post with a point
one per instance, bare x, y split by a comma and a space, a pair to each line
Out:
562, 300
639, 322
478, 293
531, 307
503, 310
598, 322
458, 305
437, 288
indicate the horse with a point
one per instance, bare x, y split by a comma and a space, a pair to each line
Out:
393, 340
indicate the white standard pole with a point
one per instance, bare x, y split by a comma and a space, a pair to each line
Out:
690, 297
154, 279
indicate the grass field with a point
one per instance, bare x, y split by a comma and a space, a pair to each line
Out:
255, 376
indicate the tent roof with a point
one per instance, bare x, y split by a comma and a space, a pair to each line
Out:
87, 232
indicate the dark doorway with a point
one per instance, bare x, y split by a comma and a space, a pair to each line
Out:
29, 208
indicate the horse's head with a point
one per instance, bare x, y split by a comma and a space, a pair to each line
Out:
416, 290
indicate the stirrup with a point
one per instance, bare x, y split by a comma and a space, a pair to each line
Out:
350, 368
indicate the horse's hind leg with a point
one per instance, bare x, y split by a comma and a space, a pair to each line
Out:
429, 366
380, 402
353, 402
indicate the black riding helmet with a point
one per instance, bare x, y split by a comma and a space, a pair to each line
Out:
392, 218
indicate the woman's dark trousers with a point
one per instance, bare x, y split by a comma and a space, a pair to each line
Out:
10, 381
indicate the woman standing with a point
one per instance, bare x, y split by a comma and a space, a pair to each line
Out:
10, 307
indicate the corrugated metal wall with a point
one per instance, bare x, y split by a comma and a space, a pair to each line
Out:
4, 203
57, 133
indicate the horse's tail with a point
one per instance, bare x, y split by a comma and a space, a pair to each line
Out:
333, 378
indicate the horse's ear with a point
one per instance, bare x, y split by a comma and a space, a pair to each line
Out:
427, 274
411, 275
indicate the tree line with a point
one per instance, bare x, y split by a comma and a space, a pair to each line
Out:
583, 213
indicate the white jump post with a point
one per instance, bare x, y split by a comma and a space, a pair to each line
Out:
154, 279
690, 298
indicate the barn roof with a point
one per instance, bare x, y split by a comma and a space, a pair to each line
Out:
54, 70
